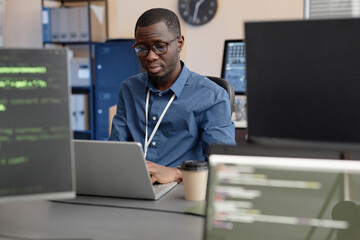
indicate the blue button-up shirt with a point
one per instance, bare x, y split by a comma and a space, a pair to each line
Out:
199, 116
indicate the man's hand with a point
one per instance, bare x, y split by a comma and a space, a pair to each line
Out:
162, 174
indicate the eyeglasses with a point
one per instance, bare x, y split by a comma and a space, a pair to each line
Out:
142, 50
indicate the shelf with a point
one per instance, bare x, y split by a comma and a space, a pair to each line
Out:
240, 124
72, 43
75, 89
86, 134
85, 37
73, 1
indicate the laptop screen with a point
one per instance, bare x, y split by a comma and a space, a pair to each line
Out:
281, 198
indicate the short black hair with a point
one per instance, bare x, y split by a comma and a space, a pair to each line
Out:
156, 15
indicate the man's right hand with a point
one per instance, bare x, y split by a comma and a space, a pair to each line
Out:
162, 174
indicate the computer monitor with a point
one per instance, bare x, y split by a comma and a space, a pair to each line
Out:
233, 65
36, 155
281, 194
303, 82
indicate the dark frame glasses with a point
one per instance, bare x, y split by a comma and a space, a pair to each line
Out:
159, 48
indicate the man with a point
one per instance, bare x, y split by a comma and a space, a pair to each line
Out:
173, 112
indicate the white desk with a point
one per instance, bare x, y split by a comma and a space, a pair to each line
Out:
114, 219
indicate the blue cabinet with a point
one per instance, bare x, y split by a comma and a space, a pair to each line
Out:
115, 61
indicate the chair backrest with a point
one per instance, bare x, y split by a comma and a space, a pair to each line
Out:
112, 112
228, 87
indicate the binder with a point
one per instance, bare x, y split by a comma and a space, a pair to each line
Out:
98, 28
73, 114
82, 105
63, 24
80, 72
46, 24
74, 24
55, 31
79, 107
84, 24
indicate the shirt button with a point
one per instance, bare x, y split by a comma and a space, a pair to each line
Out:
154, 118
153, 143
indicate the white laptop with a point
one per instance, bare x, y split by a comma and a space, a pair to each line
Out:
115, 169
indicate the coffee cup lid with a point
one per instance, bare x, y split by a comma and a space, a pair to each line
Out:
194, 165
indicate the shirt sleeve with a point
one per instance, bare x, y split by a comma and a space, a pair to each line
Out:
119, 129
216, 123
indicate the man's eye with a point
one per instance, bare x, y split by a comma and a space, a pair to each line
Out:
141, 48
160, 46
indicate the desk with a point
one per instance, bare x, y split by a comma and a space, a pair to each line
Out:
170, 202
113, 219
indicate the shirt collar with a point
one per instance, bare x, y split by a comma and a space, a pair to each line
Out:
177, 86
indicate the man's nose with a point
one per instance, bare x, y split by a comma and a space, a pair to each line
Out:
152, 55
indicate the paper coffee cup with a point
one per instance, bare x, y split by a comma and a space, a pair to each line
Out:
195, 174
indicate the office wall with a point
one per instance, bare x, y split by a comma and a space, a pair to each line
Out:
22, 23
203, 44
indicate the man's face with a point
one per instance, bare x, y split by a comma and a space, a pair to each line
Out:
160, 67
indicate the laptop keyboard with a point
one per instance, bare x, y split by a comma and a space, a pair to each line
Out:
161, 187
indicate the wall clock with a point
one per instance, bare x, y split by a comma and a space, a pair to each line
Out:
197, 12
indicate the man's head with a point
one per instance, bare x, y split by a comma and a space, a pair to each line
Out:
158, 43
157, 15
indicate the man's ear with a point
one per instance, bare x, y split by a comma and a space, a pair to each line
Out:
181, 41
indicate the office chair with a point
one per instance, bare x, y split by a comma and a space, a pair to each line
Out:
112, 112
228, 87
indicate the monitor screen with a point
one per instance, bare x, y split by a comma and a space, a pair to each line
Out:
233, 65
36, 159
303, 81
282, 197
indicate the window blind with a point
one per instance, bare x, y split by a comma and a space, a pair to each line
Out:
331, 8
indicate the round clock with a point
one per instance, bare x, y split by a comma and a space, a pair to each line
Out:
197, 12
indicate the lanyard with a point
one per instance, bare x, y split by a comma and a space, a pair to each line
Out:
147, 141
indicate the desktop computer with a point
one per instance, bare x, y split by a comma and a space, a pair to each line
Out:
233, 65
303, 82
257, 193
36, 153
